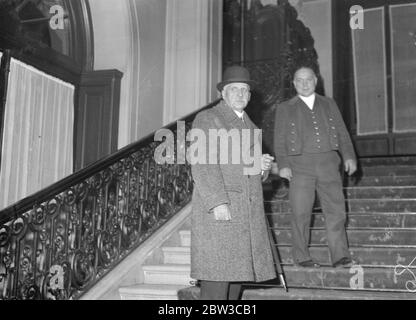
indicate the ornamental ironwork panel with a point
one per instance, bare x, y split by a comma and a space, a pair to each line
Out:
268, 39
63, 244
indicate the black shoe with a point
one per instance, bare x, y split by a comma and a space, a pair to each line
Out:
343, 263
309, 264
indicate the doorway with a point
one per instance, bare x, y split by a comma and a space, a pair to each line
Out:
375, 75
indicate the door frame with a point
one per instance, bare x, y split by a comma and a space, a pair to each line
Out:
388, 144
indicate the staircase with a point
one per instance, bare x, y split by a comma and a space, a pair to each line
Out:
381, 227
165, 271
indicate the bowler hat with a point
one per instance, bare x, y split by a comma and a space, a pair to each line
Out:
235, 74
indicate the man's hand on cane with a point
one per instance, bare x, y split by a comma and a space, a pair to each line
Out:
266, 162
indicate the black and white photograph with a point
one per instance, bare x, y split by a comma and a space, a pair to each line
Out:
194, 153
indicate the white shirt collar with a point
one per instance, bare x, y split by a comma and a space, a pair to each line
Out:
239, 114
309, 100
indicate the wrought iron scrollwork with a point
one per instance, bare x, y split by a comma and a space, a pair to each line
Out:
59, 247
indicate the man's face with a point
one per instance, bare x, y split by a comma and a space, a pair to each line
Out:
305, 82
236, 95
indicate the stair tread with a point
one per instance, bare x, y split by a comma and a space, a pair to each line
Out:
405, 175
369, 267
151, 288
167, 267
360, 200
403, 158
357, 237
384, 229
379, 187
354, 247
386, 213
393, 255
328, 268
315, 294
278, 293
374, 277
176, 249
360, 247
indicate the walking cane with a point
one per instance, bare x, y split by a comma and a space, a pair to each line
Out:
276, 259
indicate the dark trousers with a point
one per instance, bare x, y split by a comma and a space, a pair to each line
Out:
220, 290
317, 172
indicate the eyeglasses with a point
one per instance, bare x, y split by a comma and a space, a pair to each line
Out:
239, 90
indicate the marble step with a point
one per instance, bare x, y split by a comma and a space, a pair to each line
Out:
150, 292
323, 294
397, 192
378, 256
388, 170
373, 278
387, 161
386, 256
278, 293
178, 274
354, 205
382, 180
176, 255
369, 192
358, 237
354, 220
356, 180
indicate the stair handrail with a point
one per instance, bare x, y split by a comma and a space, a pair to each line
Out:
58, 242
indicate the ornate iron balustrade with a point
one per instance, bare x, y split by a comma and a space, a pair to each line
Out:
59, 242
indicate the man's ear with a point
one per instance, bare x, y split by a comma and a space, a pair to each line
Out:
223, 93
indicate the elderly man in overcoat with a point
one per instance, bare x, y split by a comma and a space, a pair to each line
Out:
309, 133
229, 236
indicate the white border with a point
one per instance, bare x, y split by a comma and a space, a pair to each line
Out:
385, 79
393, 69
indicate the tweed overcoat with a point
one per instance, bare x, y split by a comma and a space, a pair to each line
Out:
236, 250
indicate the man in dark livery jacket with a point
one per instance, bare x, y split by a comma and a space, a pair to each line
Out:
229, 239
309, 133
